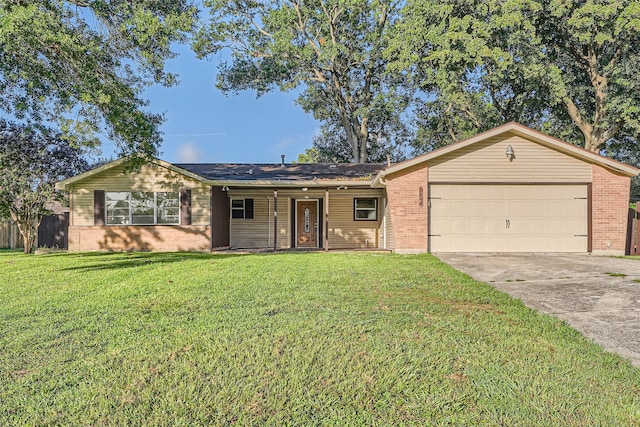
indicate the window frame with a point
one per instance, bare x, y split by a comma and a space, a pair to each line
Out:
130, 206
356, 209
247, 208
238, 209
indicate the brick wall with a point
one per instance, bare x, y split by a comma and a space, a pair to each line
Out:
610, 204
408, 207
132, 238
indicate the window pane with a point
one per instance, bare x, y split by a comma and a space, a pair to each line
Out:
365, 203
168, 207
237, 208
366, 209
117, 207
142, 208
365, 214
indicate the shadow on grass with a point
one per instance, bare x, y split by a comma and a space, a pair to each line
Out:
122, 260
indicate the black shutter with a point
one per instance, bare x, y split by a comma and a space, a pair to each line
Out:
248, 208
98, 207
185, 206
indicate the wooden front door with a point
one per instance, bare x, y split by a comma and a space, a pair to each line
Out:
307, 224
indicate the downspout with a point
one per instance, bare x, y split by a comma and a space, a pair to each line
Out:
275, 220
326, 220
268, 222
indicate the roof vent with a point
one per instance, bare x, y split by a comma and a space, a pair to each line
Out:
332, 166
250, 171
282, 161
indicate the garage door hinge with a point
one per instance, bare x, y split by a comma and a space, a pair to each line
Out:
580, 235
580, 198
434, 235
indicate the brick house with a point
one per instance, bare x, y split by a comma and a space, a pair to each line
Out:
510, 189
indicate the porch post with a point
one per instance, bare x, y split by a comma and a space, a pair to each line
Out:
275, 219
326, 220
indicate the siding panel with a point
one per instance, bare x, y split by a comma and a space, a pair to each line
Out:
149, 178
486, 162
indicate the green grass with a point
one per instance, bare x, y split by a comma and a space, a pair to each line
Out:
609, 273
289, 339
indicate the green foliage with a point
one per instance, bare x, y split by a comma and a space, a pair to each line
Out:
333, 50
83, 65
32, 160
289, 339
568, 68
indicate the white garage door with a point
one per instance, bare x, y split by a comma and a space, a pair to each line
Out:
508, 218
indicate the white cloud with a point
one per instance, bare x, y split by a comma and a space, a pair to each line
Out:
189, 153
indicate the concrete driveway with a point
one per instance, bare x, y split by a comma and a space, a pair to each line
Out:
599, 296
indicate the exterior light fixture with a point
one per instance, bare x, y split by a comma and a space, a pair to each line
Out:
510, 153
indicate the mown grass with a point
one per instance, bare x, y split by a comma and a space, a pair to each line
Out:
289, 339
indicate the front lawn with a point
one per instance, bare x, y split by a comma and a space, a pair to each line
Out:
289, 339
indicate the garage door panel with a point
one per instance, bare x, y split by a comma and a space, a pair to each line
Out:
518, 218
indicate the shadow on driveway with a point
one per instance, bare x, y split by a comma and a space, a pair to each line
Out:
599, 296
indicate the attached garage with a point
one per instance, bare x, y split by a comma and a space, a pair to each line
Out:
510, 189
508, 218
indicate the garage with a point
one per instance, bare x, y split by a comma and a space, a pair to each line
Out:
509, 189
508, 218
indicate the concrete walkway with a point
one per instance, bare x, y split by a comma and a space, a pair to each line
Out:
599, 296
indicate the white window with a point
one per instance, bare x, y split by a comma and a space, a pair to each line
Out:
142, 208
365, 209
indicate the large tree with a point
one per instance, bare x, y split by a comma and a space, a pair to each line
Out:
32, 160
83, 64
568, 67
331, 49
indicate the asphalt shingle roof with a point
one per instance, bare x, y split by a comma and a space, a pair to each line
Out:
275, 172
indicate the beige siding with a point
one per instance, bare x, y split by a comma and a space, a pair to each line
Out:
258, 232
344, 231
386, 228
486, 162
149, 178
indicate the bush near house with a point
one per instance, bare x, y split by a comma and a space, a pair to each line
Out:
289, 339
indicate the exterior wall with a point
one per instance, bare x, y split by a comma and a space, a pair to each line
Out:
386, 226
486, 161
610, 206
84, 236
162, 238
344, 231
258, 232
407, 192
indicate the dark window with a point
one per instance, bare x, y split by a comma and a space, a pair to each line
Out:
365, 209
242, 208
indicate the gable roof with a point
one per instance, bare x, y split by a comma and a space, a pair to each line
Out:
259, 175
513, 128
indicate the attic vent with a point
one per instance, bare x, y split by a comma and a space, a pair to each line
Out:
332, 166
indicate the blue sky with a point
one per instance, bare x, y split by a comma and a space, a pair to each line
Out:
205, 126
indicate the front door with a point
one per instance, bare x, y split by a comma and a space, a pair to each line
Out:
307, 224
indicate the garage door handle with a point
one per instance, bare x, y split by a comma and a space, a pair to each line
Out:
507, 223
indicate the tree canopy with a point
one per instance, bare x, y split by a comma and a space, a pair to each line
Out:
83, 64
32, 160
569, 68
333, 50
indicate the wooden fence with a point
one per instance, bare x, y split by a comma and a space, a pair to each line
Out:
633, 231
10, 237
52, 233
